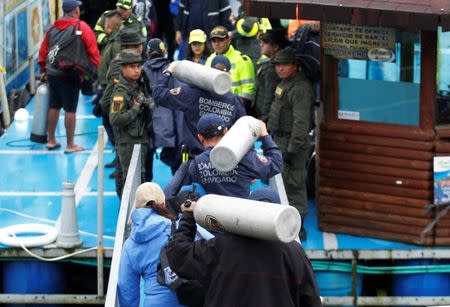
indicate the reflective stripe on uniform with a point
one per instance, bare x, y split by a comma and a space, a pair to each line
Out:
213, 14
242, 82
228, 7
101, 37
186, 12
247, 96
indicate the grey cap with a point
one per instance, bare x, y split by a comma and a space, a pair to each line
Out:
129, 57
128, 37
286, 55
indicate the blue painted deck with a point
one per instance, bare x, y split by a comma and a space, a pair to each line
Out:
31, 185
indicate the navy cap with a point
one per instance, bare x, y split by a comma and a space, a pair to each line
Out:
70, 5
210, 124
221, 62
265, 194
156, 45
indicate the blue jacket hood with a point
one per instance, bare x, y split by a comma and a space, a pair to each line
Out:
147, 225
156, 63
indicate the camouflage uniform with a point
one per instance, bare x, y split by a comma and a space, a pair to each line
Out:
289, 122
131, 122
266, 82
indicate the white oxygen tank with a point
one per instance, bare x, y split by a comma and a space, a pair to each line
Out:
249, 218
206, 78
235, 143
39, 126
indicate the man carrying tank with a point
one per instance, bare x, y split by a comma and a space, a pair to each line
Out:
195, 102
211, 128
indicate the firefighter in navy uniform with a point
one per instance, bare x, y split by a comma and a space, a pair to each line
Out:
130, 115
236, 182
195, 102
290, 120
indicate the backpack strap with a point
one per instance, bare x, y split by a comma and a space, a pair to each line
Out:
183, 176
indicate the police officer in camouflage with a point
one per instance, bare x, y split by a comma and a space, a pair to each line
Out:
129, 20
290, 120
130, 115
266, 77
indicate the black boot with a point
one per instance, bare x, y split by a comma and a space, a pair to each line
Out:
112, 164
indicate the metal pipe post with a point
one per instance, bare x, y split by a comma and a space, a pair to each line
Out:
4, 100
32, 76
100, 188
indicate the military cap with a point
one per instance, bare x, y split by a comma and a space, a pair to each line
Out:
126, 4
218, 32
129, 57
129, 37
286, 55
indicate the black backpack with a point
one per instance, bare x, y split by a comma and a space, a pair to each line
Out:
189, 292
307, 52
67, 52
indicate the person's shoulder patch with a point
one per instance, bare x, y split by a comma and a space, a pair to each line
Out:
175, 91
117, 104
263, 159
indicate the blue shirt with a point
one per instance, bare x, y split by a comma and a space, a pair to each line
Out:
195, 14
236, 182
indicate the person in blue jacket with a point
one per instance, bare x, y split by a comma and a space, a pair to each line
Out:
166, 122
195, 102
236, 183
150, 230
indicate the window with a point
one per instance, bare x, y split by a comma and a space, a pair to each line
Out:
443, 78
383, 92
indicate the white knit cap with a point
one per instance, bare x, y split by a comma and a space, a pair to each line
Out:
146, 192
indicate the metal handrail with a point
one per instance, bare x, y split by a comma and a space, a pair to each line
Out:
132, 182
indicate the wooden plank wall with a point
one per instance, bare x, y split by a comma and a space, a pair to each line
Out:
376, 182
442, 148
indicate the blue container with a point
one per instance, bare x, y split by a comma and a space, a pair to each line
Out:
337, 283
29, 277
426, 284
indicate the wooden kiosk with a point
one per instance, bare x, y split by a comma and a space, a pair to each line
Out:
379, 127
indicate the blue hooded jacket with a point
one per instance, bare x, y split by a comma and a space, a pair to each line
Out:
166, 122
140, 257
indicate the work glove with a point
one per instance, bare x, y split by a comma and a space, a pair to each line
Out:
288, 158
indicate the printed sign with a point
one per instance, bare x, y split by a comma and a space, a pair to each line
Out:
350, 115
441, 166
359, 42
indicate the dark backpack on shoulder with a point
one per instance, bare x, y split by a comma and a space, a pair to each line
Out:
189, 292
307, 53
67, 52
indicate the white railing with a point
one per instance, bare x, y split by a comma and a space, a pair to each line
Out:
132, 182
